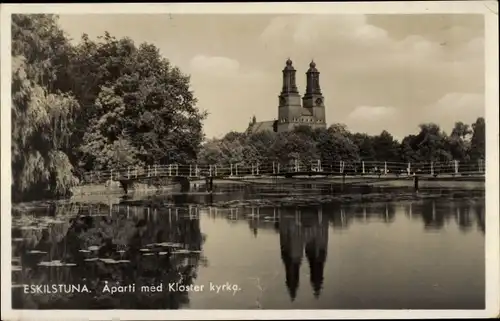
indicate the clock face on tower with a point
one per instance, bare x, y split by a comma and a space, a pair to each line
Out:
319, 101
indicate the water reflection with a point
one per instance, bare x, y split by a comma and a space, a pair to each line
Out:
122, 245
305, 232
163, 242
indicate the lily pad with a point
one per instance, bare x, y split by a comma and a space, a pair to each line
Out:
92, 259
181, 251
37, 252
112, 261
55, 263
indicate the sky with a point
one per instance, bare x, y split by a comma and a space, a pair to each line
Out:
378, 72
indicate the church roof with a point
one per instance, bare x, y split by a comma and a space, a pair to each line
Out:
261, 126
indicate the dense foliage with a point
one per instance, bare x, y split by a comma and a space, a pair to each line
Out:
465, 143
92, 106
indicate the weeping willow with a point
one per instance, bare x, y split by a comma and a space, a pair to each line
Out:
40, 133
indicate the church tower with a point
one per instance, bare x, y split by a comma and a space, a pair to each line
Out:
313, 100
290, 107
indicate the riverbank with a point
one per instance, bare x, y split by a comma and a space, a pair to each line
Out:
397, 190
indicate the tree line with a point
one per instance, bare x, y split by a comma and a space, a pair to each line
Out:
336, 143
106, 103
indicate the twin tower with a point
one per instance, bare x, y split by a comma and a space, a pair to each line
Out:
295, 111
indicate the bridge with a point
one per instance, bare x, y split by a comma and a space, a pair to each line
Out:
184, 173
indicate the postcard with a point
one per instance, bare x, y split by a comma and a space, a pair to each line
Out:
250, 160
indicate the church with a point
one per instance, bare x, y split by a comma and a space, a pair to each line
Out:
292, 109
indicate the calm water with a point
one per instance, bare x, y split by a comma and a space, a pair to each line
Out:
420, 254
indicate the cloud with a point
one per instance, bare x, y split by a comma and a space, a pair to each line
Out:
222, 86
312, 29
214, 66
453, 107
371, 112
371, 119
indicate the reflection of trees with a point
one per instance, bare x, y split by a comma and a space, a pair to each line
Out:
120, 235
436, 215
479, 211
432, 216
303, 229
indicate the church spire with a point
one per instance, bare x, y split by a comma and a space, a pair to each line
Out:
289, 84
312, 75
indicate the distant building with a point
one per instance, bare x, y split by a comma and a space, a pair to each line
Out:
292, 109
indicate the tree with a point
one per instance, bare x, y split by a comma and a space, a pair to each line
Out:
334, 146
364, 143
477, 148
431, 143
385, 147
459, 143
138, 97
41, 113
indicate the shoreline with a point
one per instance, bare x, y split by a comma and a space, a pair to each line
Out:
368, 180
283, 201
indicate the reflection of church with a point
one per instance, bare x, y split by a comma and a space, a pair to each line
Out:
304, 232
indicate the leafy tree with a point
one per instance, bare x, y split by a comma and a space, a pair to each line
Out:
459, 141
477, 148
385, 147
136, 96
365, 145
41, 114
431, 143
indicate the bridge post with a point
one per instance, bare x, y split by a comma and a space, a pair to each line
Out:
319, 165
363, 167
190, 169
409, 168
215, 170
210, 170
456, 167
155, 168
385, 168
169, 169
274, 171
432, 168
128, 172
231, 166
252, 168
176, 169
257, 168
236, 169
111, 175
149, 170
196, 171
278, 170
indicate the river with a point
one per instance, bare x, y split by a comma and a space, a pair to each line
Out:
248, 247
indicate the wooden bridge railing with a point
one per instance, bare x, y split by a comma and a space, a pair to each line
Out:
278, 168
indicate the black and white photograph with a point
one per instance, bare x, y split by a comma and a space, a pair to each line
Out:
258, 157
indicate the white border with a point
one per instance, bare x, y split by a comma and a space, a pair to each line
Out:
487, 8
